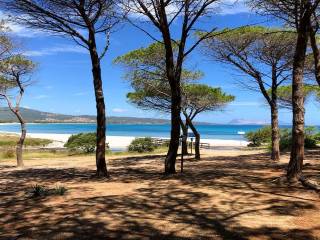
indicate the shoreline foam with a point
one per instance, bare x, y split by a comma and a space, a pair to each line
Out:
122, 142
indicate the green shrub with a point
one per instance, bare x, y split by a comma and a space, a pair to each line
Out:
10, 153
259, 137
84, 142
42, 191
142, 145
38, 191
317, 137
59, 190
286, 139
310, 142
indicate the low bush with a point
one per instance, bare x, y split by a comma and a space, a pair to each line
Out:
259, 137
84, 142
9, 153
286, 139
142, 145
42, 191
263, 136
38, 191
60, 190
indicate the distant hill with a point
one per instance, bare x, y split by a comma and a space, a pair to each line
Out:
253, 122
247, 122
36, 116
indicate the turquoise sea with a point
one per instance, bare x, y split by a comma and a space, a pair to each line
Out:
228, 132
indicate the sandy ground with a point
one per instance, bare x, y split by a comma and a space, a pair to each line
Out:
226, 195
122, 142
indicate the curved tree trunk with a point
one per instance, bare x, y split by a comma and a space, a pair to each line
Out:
316, 54
16, 112
197, 140
275, 152
170, 160
184, 138
294, 170
101, 112
174, 75
19, 147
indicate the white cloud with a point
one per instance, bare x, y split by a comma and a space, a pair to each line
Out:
55, 50
224, 7
43, 96
20, 30
229, 7
119, 110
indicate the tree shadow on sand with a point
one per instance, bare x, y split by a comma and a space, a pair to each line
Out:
216, 198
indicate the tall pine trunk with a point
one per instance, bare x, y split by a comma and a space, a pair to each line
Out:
297, 151
275, 152
170, 161
197, 140
184, 144
275, 131
174, 75
316, 54
101, 112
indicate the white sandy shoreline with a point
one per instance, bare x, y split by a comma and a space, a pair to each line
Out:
122, 142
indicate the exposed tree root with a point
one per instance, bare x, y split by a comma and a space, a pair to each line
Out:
307, 183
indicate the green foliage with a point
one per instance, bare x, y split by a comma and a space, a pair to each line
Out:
310, 140
284, 94
203, 97
259, 137
145, 64
9, 153
263, 136
42, 191
246, 33
38, 191
285, 139
142, 145
147, 74
84, 142
13, 70
60, 190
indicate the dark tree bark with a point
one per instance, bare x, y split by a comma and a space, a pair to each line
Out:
275, 131
297, 151
100, 106
170, 160
275, 154
184, 144
20, 143
174, 77
197, 140
316, 54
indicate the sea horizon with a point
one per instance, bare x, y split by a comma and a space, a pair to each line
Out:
207, 131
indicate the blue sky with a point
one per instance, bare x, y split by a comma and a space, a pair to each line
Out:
63, 81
